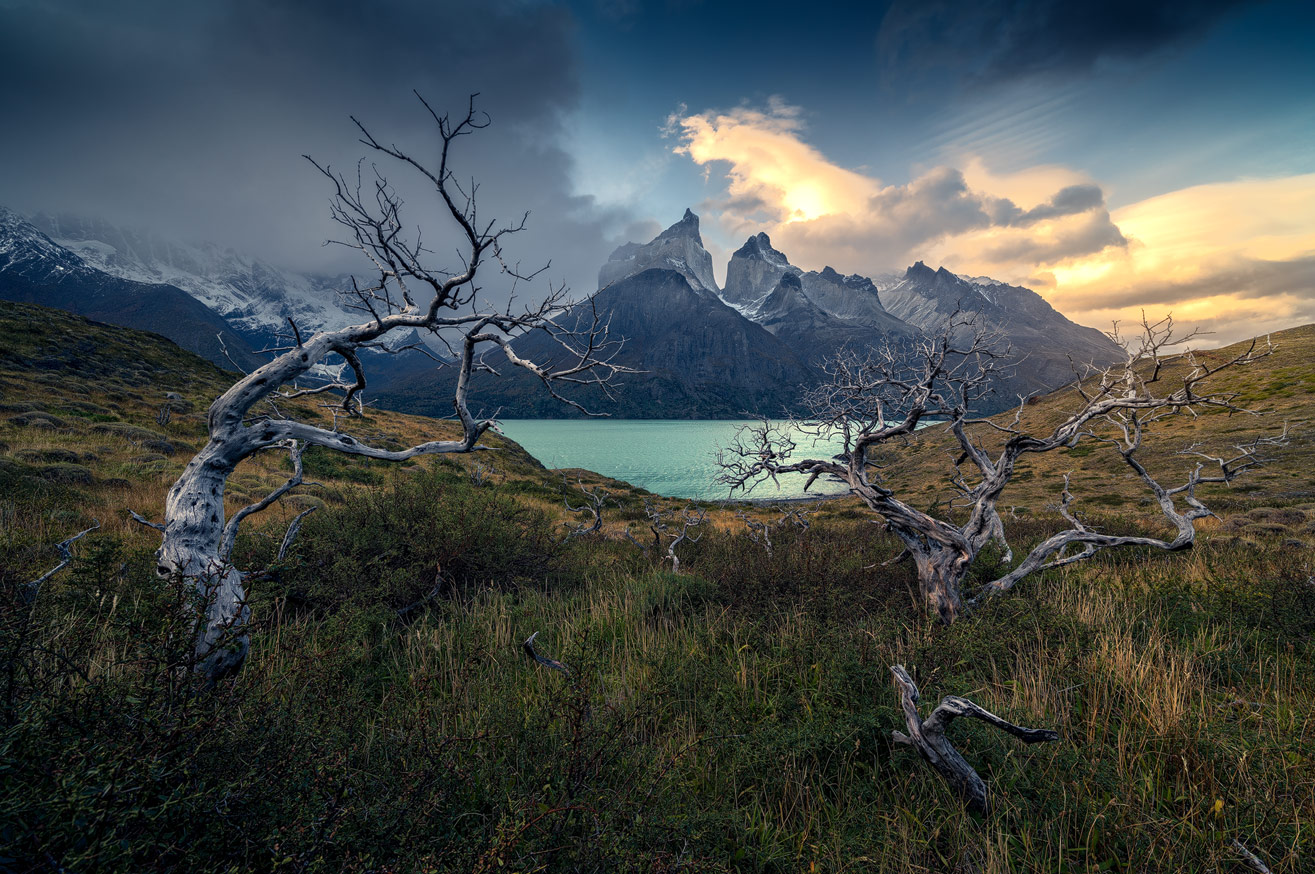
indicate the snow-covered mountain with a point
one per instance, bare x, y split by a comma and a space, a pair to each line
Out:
255, 297
756, 343
36, 269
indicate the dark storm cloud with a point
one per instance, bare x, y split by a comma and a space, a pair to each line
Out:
191, 119
1094, 234
1071, 200
931, 43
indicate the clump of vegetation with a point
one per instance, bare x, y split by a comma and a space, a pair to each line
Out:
713, 720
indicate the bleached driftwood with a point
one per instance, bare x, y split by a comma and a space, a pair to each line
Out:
534, 654
927, 736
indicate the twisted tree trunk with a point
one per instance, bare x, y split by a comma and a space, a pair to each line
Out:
190, 548
406, 294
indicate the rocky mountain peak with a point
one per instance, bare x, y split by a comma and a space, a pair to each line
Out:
753, 272
919, 270
760, 246
688, 226
678, 248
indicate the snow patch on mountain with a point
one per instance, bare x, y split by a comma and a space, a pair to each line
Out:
255, 297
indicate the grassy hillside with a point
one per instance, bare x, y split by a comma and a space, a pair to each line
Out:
733, 718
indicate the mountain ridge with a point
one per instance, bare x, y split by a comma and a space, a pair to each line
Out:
782, 317
36, 269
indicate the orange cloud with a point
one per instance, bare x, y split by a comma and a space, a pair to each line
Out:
772, 170
1235, 257
1238, 257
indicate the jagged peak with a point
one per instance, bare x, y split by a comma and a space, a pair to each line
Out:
853, 280
918, 269
790, 280
688, 226
760, 246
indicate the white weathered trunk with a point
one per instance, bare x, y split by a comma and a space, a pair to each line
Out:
193, 533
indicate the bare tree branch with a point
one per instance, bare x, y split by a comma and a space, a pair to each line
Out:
928, 738
295, 452
64, 547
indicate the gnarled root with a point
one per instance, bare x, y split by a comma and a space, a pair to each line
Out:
928, 738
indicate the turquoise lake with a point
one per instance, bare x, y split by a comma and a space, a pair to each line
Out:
677, 458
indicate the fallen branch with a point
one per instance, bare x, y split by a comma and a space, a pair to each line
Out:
530, 651
928, 738
66, 555
1251, 859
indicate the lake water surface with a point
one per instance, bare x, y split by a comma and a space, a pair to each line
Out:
677, 458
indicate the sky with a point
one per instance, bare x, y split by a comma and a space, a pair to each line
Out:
1114, 156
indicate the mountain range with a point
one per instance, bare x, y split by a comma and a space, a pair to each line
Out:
754, 346
700, 351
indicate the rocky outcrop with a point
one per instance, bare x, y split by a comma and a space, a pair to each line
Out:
753, 272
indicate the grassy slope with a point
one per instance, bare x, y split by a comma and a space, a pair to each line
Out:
732, 718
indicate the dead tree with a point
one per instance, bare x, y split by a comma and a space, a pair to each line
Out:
757, 530
875, 402
404, 291
927, 736
672, 527
595, 499
760, 532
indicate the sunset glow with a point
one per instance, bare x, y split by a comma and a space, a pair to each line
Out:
1225, 255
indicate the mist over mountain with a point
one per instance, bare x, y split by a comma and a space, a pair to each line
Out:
698, 351
36, 269
255, 297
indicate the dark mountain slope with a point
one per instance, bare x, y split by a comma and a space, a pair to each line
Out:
700, 360
34, 269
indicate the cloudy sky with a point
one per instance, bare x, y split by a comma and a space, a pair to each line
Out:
1112, 155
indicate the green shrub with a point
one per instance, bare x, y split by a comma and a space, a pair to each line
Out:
420, 533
